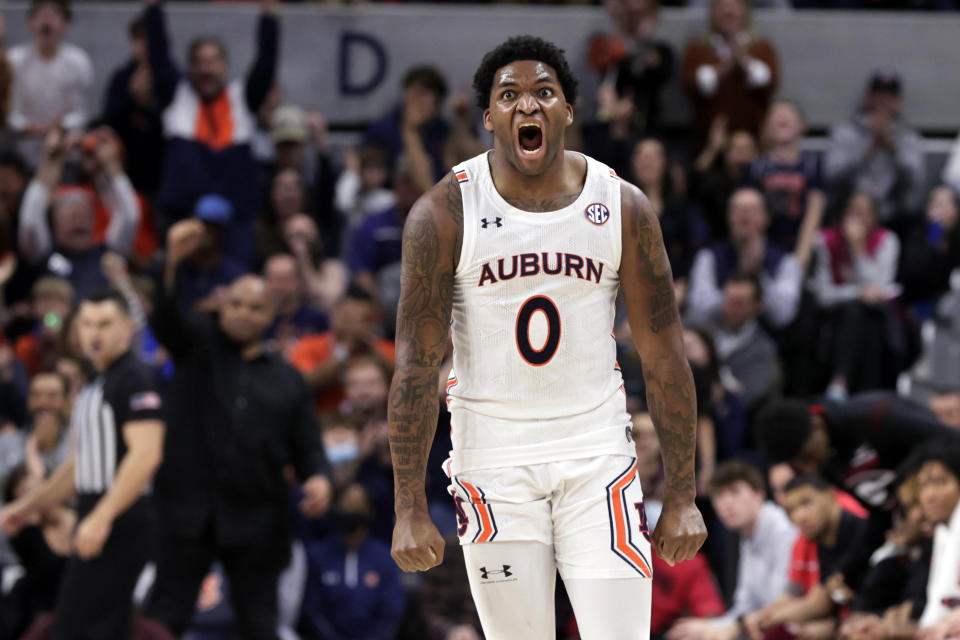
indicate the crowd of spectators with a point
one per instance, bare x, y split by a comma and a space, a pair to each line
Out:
819, 292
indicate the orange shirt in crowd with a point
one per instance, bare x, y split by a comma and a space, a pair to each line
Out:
312, 351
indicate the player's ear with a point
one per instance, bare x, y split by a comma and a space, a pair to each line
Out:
487, 120
569, 114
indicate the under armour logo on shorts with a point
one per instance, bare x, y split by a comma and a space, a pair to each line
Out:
505, 572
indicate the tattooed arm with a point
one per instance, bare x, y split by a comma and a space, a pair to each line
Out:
671, 398
431, 248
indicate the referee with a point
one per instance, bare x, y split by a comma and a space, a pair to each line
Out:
118, 444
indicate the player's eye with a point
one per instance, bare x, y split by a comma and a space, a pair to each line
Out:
508, 95
545, 92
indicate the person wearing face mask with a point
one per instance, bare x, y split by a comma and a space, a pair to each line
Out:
239, 416
353, 588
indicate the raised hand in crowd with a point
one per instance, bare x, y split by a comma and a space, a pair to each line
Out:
183, 239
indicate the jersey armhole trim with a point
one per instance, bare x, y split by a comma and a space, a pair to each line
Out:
467, 181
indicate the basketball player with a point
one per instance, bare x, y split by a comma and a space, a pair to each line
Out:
526, 247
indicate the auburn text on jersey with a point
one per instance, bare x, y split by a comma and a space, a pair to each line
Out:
524, 265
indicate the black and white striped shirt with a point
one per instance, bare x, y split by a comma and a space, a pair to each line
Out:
125, 392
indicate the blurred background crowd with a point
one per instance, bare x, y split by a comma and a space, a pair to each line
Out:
820, 290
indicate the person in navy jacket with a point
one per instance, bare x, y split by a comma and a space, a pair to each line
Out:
353, 587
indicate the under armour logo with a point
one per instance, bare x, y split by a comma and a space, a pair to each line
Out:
485, 575
484, 222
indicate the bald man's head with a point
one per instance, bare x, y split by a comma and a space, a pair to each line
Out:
248, 310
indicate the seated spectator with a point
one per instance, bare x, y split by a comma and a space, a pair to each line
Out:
209, 124
52, 79
931, 251
51, 305
321, 357
730, 73
130, 110
854, 283
684, 230
718, 171
288, 197
685, 589
767, 537
325, 277
791, 182
636, 62
365, 383
43, 443
414, 128
893, 594
68, 245
877, 153
294, 317
353, 586
746, 252
362, 186
299, 143
208, 271
938, 487
375, 245
744, 347
875, 431
815, 512
42, 547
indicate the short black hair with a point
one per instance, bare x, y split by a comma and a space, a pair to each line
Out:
428, 77
732, 471
202, 41
946, 451
15, 161
524, 47
63, 6
358, 293
783, 427
811, 480
109, 295
748, 278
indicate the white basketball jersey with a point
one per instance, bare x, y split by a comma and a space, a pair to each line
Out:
535, 377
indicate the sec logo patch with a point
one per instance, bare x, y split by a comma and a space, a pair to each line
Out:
597, 213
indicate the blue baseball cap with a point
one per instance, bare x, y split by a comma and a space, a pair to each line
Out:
214, 209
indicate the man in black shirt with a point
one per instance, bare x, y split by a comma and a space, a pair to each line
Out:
118, 444
239, 417
857, 445
813, 508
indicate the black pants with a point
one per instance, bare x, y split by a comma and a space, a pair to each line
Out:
862, 348
95, 595
253, 571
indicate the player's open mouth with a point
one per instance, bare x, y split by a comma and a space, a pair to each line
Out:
530, 139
